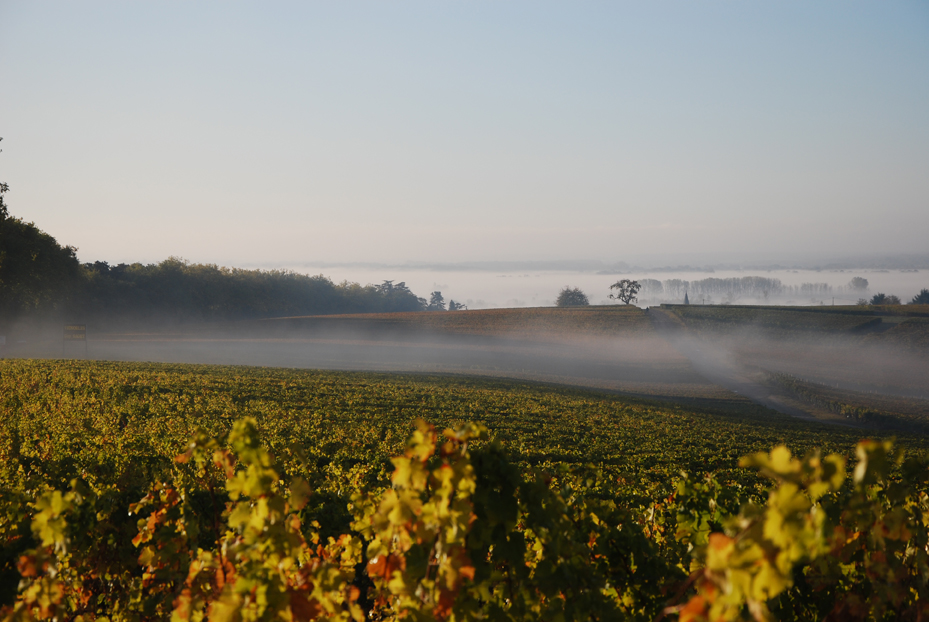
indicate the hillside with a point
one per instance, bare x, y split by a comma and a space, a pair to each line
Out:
534, 322
720, 356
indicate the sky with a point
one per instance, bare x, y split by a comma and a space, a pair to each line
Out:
291, 132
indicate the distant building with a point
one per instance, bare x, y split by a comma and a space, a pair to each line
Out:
686, 299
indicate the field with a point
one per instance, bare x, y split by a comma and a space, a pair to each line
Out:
902, 325
537, 322
713, 355
614, 348
592, 458
109, 432
911, 335
877, 351
350, 416
857, 310
887, 412
767, 319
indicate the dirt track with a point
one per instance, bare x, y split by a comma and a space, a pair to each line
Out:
743, 358
718, 365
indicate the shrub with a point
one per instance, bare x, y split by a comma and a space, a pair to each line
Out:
922, 298
572, 298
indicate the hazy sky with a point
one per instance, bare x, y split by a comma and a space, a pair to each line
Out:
445, 131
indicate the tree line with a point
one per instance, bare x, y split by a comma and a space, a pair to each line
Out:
627, 290
41, 278
733, 287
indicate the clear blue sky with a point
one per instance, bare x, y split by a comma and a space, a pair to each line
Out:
444, 131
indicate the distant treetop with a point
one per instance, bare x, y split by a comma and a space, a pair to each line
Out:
436, 302
884, 299
626, 290
572, 298
858, 284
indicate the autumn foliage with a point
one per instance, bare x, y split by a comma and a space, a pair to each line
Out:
462, 534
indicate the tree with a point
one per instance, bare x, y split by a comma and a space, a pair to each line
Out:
884, 299
626, 290
858, 284
572, 298
4, 188
399, 297
922, 298
36, 273
436, 302
457, 306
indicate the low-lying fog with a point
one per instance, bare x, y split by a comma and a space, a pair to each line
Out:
646, 365
485, 289
660, 363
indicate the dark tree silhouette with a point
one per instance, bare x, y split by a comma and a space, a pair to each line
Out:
572, 298
436, 302
922, 298
626, 290
884, 299
457, 306
4, 188
36, 273
858, 284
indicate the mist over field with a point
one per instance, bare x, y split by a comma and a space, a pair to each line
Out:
382, 163
662, 353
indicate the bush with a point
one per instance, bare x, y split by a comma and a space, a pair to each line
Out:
885, 299
572, 298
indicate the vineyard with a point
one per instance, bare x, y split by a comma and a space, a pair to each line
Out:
912, 335
143, 492
772, 319
887, 412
